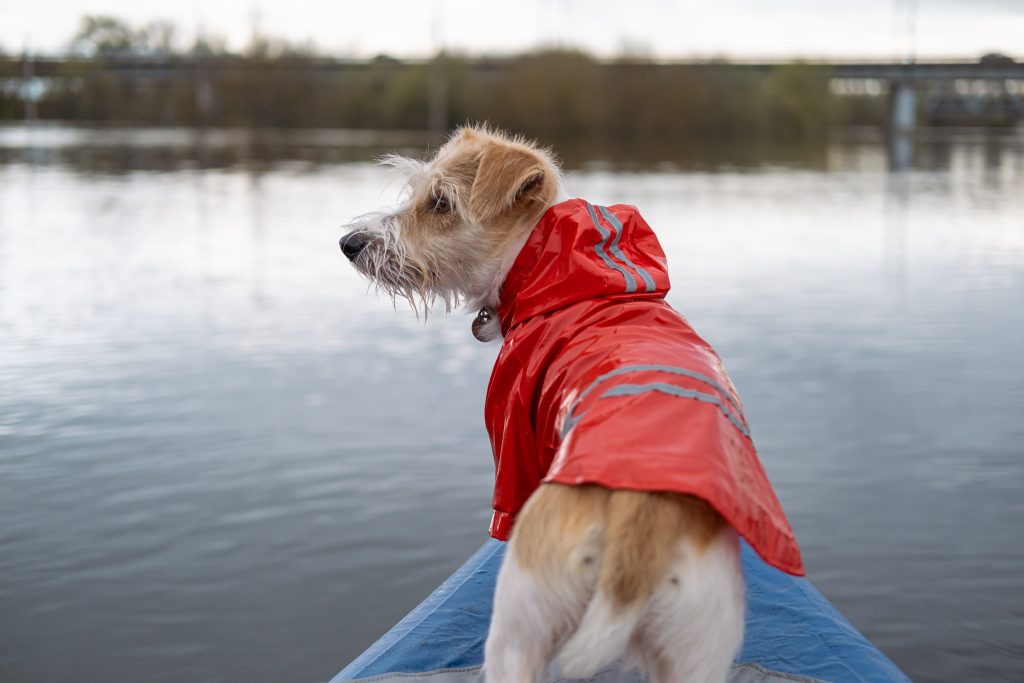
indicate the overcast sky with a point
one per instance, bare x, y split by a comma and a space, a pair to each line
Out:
662, 28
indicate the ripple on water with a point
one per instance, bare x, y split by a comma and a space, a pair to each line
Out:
220, 459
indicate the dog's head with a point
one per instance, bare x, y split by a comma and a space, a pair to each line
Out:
464, 216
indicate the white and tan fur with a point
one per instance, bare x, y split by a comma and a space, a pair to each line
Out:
591, 574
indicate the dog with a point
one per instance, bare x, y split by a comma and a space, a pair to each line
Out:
625, 474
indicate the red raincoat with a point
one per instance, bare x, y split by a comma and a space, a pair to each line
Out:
600, 381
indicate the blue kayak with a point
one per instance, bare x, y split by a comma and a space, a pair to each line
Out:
792, 634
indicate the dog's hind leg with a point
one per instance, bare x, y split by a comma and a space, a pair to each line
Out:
545, 582
522, 633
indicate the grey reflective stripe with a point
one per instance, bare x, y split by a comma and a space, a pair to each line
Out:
672, 390
599, 248
571, 421
617, 225
668, 369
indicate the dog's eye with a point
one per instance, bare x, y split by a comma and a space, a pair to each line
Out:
442, 204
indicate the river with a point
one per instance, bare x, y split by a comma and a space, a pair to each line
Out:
222, 459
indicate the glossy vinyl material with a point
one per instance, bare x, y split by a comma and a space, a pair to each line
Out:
600, 381
790, 629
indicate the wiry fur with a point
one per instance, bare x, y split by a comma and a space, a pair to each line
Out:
462, 257
390, 270
591, 575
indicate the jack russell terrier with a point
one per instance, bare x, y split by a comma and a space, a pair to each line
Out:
625, 469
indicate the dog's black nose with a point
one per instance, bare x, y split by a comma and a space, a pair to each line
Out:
353, 244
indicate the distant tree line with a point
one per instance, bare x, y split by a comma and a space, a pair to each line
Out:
552, 95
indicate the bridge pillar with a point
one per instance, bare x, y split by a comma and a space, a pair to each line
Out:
902, 122
902, 108
28, 94
202, 91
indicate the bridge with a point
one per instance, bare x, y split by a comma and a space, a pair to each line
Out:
990, 90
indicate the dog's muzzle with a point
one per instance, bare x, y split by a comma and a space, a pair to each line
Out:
353, 243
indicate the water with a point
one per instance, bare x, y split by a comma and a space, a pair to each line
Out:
221, 460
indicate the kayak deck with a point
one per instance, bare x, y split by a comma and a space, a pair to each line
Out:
792, 633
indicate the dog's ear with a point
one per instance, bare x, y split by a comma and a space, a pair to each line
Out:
508, 177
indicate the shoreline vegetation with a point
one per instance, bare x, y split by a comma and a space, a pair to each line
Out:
118, 74
279, 99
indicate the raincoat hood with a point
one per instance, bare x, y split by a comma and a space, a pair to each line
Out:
599, 381
579, 251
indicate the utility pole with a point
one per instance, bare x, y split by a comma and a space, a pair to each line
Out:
28, 77
202, 88
902, 95
438, 98
255, 22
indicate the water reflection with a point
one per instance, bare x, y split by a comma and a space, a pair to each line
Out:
119, 150
220, 459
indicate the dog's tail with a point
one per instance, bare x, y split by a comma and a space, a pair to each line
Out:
640, 537
603, 636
